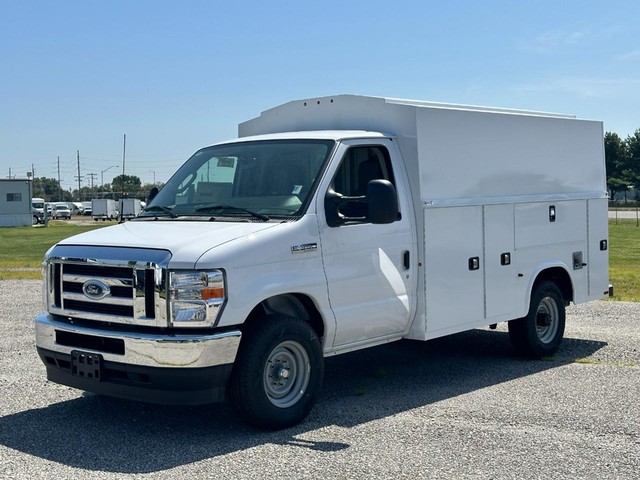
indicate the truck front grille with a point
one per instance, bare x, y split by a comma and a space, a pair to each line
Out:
108, 284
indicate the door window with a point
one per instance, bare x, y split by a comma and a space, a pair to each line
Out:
359, 166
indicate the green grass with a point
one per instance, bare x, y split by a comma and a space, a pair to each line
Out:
23, 249
624, 259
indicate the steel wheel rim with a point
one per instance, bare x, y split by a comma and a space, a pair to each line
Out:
286, 374
547, 319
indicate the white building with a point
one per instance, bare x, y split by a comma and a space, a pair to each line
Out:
15, 202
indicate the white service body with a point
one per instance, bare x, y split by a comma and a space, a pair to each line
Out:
130, 208
490, 202
104, 209
480, 182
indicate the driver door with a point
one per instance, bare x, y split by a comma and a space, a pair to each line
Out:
370, 268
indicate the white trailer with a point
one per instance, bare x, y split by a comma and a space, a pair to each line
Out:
332, 224
104, 209
130, 208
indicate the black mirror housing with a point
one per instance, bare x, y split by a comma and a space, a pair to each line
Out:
332, 201
383, 202
379, 206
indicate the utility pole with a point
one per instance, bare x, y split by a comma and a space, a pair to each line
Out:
124, 151
92, 176
59, 184
78, 177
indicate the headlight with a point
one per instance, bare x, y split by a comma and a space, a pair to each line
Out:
196, 298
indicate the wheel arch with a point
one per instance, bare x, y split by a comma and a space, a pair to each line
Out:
296, 305
558, 275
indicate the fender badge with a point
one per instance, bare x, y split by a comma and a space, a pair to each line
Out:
306, 247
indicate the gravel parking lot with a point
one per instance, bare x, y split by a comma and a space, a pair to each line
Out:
458, 407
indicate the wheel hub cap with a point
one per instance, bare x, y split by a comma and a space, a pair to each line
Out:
287, 373
547, 320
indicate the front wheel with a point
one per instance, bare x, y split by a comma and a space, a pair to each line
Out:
540, 333
278, 372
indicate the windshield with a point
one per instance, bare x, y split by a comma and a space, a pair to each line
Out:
255, 179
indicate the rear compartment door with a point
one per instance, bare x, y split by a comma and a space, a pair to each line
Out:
598, 261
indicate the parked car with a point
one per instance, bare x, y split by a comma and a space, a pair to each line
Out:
87, 208
59, 210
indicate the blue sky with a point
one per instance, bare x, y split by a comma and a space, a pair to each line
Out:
176, 76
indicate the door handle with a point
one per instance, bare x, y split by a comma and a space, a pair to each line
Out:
406, 259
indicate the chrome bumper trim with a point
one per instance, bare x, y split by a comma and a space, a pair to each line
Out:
170, 351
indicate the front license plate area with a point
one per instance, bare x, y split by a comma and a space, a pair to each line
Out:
85, 364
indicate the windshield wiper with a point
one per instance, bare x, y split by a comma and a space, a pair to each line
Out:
166, 210
210, 208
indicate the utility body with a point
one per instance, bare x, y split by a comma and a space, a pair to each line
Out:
332, 224
104, 209
130, 208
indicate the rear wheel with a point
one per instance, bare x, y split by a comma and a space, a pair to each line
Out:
540, 332
278, 372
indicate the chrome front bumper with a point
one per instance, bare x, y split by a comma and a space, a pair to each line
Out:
184, 350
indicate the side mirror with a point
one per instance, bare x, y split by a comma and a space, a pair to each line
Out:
152, 194
383, 202
332, 202
379, 206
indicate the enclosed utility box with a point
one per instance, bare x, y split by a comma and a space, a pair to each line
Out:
130, 208
104, 209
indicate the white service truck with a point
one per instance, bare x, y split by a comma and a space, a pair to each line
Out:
38, 209
332, 224
130, 208
104, 209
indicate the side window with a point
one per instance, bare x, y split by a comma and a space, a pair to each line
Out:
14, 197
359, 166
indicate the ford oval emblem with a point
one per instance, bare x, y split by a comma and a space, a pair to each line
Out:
95, 289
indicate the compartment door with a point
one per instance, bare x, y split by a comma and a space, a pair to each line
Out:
454, 283
500, 274
598, 261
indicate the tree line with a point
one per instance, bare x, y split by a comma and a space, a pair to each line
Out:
622, 159
122, 186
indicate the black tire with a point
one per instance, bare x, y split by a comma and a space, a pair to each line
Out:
278, 372
540, 333
35, 220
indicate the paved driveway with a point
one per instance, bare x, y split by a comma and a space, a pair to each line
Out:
624, 214
458, 407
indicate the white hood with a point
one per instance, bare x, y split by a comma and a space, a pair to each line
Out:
186, 241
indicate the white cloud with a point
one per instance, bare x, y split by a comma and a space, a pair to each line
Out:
557, 41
